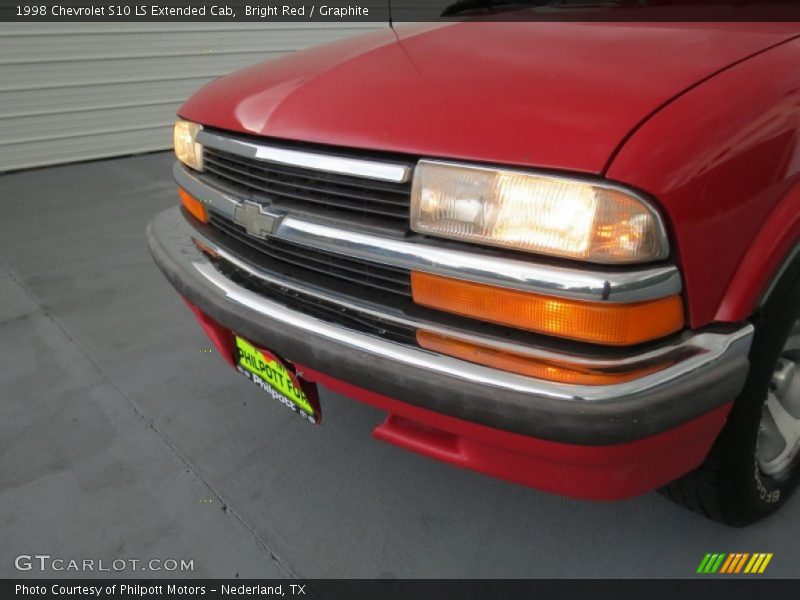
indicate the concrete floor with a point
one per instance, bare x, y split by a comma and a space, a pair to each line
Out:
122, 437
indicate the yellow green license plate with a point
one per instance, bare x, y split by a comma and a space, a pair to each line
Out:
277, 379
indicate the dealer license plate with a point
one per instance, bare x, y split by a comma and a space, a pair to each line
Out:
277, 379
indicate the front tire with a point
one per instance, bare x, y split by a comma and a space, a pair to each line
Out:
754, 465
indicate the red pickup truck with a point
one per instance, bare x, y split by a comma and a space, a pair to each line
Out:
562, 254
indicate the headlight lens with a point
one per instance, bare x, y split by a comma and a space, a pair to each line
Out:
534, 212
188, 151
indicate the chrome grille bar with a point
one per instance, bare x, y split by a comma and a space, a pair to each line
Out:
396, 172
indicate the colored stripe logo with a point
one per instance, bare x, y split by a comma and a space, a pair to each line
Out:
741, 562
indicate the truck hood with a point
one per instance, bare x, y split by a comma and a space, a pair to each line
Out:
552, 95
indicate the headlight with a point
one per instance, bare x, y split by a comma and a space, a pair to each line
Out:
538, 213
188, 151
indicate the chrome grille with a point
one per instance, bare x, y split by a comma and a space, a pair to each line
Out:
321, 193
352, 270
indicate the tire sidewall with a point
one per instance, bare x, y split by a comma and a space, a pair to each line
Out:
747, 493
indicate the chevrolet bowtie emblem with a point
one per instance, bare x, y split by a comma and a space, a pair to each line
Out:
256, 220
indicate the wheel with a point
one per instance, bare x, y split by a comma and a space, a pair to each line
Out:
754, 464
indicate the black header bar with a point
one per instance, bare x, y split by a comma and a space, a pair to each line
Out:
707, 587
398, 11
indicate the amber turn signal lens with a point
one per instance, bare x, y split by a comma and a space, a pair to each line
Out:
596, 322
193, 205
516, 363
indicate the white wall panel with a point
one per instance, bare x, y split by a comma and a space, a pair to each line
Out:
78, 91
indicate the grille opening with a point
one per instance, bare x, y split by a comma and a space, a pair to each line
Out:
330, 195
352, 270
318, 308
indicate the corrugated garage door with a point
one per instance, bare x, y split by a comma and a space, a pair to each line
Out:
78, 91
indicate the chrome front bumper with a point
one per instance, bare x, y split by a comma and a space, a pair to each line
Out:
708, 368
